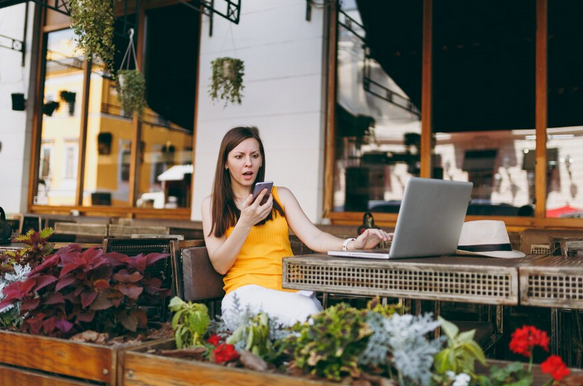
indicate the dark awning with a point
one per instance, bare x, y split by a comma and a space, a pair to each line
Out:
8, 3
483, 59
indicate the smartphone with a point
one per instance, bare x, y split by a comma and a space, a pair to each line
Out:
259, 187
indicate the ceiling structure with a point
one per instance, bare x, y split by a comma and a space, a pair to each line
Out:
483, 59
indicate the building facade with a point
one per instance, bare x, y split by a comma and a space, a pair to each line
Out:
349, 107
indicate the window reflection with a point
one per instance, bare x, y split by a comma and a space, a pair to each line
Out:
377, 124
61, 120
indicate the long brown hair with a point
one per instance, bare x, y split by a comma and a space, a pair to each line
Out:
224, 211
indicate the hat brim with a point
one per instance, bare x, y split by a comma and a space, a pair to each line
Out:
499, 254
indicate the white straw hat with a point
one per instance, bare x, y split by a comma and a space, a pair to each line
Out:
486, 238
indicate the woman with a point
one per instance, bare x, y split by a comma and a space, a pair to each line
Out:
246, 241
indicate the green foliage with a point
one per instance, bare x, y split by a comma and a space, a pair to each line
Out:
329, 345
131, 92
190, 323
461, 352
93, 22
255, 335
515, 374
37, 247
227, 80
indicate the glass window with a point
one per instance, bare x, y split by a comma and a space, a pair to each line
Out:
377, 133
61, 120
565, 116
165, 167
484, 101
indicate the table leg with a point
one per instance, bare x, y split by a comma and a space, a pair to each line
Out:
555, 330
325, 300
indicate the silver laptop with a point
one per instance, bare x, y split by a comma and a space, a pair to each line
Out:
429, 223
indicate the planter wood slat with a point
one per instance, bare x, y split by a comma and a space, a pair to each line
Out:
14, 376
142, 369
96, 363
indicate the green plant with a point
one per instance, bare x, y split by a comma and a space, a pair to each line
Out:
227, 80
93, 23
255, 335
329, 345
460, 354
37, 247
131, 92
190, 323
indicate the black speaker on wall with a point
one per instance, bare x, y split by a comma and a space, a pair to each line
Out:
18, 102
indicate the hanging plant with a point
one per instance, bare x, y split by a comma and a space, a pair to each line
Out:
69, 97
93, 23
131, 92
227, 80
131, 85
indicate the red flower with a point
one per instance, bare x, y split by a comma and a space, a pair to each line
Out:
526, 338
555, 367
225, 353
214, 340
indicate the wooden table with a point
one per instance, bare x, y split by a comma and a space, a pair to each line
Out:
450, 278
556, 282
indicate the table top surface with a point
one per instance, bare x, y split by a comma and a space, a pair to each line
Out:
450, 260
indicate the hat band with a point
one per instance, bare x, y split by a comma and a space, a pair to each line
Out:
486, 248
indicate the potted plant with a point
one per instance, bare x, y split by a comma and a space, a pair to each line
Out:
227, 80
93, 23
86, 296
50, 107
69, 97
131, 92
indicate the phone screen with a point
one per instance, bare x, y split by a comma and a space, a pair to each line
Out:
259, 187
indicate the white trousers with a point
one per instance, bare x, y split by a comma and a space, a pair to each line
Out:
287, 307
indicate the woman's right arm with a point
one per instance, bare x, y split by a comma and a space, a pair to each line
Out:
223, 251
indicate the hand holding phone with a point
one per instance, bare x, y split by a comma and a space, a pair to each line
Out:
259, 188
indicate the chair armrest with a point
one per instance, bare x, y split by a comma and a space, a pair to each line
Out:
201, 281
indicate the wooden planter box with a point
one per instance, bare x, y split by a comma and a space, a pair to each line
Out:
143, 369
35, 355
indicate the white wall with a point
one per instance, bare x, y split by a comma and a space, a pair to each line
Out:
15, 153
283, 96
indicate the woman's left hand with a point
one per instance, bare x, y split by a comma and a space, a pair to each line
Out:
370, 238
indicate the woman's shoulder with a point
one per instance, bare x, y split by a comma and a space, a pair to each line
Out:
206, 201
283, 193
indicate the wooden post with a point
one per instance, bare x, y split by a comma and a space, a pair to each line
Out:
329, 139
541, 110
83, 131
426, 90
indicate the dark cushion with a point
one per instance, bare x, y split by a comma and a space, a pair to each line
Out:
201, 281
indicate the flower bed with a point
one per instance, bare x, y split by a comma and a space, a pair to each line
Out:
73, 313
142, 367
375, 346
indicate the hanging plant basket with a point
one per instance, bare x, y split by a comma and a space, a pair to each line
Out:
227, 80
131, 92
93, 23
131, 84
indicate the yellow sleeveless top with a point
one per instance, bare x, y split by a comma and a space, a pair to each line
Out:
260, 259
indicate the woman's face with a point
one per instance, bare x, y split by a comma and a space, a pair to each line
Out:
243, 163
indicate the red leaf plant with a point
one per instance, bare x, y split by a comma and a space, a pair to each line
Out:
74, 291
